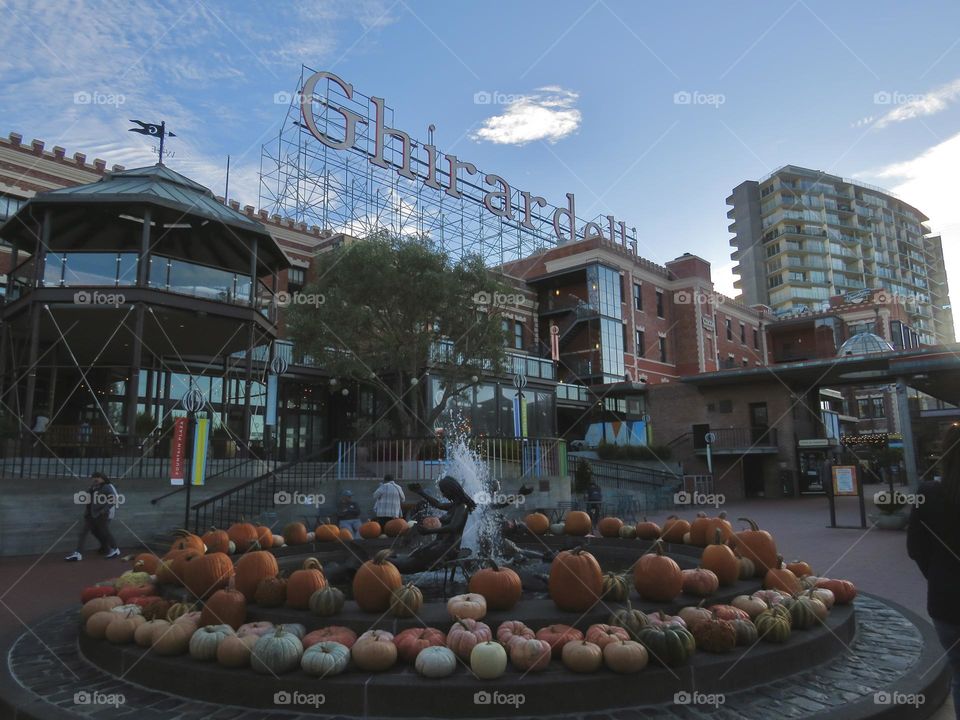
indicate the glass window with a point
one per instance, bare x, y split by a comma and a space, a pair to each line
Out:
611, 348
126, 268
863, 407
663, 349
660, 304
729, 326
53, 270
604, 286
505, 329
485, 412
878, 408
518, 335
92, 268
756, 339
637, 296
743, 334
641, 349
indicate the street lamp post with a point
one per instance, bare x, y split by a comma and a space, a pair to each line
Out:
192, 401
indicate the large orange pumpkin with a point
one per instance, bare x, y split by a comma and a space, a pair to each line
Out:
370, 530
216, 541
395, 527
577, 523
305, 582
576, 581
345, 534
657, 577
252, 568
224, 607
500, 586
782, 579
264, 537
327, 533
674, 529
609, 527
719, 558
648, 530
537, 523
243, 535
698, 530
295, 533
205, 574
703, 529
375, 581
756, 545
146, 562
171, 570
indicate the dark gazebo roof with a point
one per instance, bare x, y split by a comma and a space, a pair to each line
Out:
155, 185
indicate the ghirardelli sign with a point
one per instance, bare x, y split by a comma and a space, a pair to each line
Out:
447, 173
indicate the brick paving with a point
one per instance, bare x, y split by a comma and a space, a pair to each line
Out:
37, 587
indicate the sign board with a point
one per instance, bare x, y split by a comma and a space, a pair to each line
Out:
178, 444
844, 480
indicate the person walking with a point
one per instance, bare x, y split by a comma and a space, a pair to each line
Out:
348, 513
594, 501
933, 541
387, 500
101, 507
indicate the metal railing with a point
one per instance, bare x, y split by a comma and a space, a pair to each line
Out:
632, 491
739, 437
423, 458
296, 482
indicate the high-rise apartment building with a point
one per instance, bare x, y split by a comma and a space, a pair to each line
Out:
802, 236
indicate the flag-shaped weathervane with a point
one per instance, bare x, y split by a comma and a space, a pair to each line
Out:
158, 131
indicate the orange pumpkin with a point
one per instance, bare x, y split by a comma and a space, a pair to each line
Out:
305, 582
205, 574
500, 586
800, 568
609, 527
370, 530
657, 577
327, 533
345, 534
577, 523
395, 527
779, 578
216, 541
186, 540
674, 529
719, 558
375, 581
244, 536
698, 530
171, 570
576, 581
756, 545
146, 562
251, 569
224, 607
648, 530
537, 523
264, 537
295, 533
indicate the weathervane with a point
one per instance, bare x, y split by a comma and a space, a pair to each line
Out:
159, 131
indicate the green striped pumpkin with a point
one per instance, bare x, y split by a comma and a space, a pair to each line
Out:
615, 587
746, 632
326, 601
669, 645
803, 615
773, 625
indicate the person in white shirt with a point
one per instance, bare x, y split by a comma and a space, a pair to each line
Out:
387, 500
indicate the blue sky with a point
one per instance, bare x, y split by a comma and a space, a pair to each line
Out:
587, 94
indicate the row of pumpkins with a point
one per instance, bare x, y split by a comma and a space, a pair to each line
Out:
624, 644
700, 532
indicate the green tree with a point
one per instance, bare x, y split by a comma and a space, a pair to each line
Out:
390, 307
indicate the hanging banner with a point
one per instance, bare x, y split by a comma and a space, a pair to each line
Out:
272, 382
519, 416
178, 443
201, 436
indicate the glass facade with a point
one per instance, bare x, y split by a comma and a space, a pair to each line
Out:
79, 269
605, 290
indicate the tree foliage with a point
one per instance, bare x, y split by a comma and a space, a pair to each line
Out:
394, 307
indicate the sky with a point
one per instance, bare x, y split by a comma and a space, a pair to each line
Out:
649, 111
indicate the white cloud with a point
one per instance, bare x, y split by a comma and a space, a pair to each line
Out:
907, 106
929, 182
549, 114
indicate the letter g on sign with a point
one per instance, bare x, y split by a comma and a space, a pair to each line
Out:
350, 118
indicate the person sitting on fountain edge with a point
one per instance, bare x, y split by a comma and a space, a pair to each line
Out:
457, 509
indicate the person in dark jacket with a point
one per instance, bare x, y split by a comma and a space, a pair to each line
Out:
933, 541
594, 501
101, 502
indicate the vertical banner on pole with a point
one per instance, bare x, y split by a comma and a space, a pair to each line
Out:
523, 416
272, 383
178, 444
200, 438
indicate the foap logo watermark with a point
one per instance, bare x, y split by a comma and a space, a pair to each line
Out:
95, 297
898, 698
695, 97
283, 97
885, 497
485, 697
895, 97
495, 97
498, 498
698, 297
95, 697
698, 698
95, 97
283, 497
284, 697
697, 498
99, 498
497, 299
286, 299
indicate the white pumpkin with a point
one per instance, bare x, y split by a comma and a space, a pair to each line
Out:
435, 661
205, 641
325, 659
488, 660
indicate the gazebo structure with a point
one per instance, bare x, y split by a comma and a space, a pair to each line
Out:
133, 285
